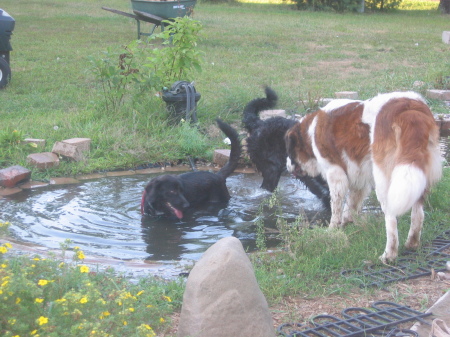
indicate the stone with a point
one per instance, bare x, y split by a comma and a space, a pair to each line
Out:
222, 297
446, 37
30, 185
221, 156
13, 175
63, 181
43, 160
83, 144
443, 95
4, 192
40, 143
439, 310
346, 94
119, 173
68, 150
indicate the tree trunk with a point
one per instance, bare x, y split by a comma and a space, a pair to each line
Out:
444, 6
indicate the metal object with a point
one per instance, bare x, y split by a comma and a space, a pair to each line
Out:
181, 100
155, 12
380, 320
406, 268
7, 24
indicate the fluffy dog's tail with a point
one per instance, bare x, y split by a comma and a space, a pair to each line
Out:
235, 152
253, 108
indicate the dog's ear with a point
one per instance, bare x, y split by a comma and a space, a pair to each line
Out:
152, 188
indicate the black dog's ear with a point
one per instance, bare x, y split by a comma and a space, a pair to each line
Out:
151, 189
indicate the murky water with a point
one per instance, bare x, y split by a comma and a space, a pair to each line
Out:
103, 217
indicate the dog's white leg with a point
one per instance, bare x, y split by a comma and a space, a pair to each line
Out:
417, 216
391, 250
354, 203
338, 184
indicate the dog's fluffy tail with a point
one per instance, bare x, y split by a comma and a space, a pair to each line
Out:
253, 108
236, 149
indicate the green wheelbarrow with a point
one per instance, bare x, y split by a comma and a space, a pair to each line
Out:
154, 12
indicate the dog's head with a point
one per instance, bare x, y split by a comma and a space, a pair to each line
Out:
164, 194
301, 160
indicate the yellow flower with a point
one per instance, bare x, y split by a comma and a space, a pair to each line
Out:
104, 314
3, 250
131, 309
33, 332
36, 259
42, 320
61, 265
140, 293
84, 269
60, 300
84, 299
42, 282
125, 322
12, 321
18, 299
39, 300
8, 245
32, 266
168, 298
149, 306
3, 265
161, 320
80, 255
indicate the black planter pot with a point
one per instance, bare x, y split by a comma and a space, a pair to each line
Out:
181, 102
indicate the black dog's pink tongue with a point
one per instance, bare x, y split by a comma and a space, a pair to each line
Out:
178, 213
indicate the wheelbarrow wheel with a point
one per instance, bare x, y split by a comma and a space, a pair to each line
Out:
5, 72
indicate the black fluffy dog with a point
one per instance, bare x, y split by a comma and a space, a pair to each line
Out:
267, 149
171, 194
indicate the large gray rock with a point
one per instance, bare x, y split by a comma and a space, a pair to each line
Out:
222, 297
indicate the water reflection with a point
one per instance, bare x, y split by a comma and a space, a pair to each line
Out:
103, 217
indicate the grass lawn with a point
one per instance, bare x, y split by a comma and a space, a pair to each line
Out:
54, 94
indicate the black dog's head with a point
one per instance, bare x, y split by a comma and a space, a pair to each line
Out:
164, 194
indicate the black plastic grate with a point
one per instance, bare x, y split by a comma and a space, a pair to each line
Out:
437, 255
381, 320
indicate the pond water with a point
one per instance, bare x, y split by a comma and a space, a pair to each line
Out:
103, 217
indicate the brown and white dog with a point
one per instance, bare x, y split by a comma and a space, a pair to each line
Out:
390, 141
334, 142
406, 161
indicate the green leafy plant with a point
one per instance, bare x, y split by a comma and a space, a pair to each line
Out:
142, 67
179, 58
115, 71
42, 296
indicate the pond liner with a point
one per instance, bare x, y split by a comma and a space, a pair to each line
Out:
409, 267
381, 319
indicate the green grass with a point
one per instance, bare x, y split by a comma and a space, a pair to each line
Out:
312, 259
54, 95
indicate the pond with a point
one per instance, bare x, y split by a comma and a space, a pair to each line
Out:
103, 217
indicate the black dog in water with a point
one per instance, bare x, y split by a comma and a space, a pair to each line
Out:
267, 149
171, 194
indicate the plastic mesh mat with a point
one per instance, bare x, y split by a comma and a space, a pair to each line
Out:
381, 319
408, 267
